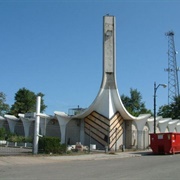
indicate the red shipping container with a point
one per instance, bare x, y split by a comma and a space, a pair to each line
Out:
165, 143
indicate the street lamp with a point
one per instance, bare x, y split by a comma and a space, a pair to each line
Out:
155, 89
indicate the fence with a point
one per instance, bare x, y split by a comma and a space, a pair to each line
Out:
15, 148
7, 147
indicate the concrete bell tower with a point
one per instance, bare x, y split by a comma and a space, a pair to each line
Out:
103, 122
109, 53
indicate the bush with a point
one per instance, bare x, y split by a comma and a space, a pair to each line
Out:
28, 139
51, 145
2, 134
12, 137
16, 138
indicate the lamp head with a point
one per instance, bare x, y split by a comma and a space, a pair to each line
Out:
164, 85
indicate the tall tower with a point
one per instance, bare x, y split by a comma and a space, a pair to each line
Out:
173, 82
103, 123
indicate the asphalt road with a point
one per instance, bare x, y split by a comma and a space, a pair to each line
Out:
146, 167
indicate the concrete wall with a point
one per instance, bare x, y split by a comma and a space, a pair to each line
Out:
53, 129
128, 129
73, 132
19, 129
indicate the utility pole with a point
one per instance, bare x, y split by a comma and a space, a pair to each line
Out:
173, 82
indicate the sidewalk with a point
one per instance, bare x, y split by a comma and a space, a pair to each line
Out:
38, 159
100, 156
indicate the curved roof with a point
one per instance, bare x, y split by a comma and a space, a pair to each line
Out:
113, 102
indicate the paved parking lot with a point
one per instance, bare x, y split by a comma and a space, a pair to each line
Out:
4, 151
124, 166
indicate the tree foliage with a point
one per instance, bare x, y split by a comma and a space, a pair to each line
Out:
172, 110
25, 101
4, 108
134, 104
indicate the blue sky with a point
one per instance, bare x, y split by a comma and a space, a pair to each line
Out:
55, 47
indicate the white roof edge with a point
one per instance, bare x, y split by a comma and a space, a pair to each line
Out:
2, 118
164, 120
62, 114
151, 119
174, 121
11, 117
21, 115
44, 115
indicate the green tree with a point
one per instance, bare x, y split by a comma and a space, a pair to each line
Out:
25, 101
4, 108
172, 110
165, 111
134, 104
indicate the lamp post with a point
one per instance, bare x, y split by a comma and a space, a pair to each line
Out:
155, 90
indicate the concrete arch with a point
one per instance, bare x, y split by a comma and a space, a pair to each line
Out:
178, 127
27, 122
172, 125
162, 124
150, 123
12, 120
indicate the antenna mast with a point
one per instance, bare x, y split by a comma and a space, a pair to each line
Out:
173, 82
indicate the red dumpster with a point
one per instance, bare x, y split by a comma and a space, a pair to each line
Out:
165, 143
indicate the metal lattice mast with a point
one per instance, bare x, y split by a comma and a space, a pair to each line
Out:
173, 82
